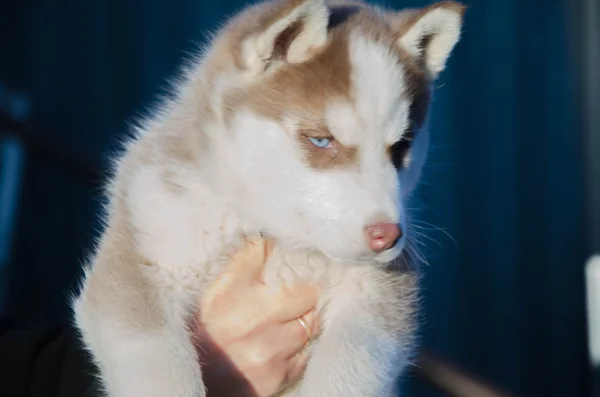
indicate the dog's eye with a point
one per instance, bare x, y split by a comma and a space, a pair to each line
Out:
399, 151
323, 143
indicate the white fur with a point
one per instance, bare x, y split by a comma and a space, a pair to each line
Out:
444, 26
314, 13
191, 185
382, 109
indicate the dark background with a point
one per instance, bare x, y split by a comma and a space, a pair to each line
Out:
502, 205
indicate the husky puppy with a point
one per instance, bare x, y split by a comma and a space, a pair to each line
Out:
303, 121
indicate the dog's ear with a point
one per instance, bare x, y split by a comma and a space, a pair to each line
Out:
429, 34
291, 32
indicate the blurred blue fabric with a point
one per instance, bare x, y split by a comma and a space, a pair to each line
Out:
500, 207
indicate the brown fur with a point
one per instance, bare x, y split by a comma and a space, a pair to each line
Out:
302, 90
338, 156
139, 294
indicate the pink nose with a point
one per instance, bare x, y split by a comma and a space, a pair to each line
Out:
383, 236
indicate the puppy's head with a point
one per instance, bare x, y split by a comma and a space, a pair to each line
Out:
322, 110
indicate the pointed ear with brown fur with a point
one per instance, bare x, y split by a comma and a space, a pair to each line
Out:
430, 34
291, 34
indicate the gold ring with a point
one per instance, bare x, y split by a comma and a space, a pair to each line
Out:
306, 328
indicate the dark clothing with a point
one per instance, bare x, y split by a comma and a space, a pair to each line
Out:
44, 362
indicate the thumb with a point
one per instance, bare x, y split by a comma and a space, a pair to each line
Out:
247, 264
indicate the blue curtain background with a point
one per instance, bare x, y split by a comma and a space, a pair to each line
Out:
501, 203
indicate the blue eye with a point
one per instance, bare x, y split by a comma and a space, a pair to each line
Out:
322, 143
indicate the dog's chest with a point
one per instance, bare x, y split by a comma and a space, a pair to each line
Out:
298, 266
189, 233
338, 284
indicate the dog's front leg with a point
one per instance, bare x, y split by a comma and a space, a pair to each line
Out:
353, 360
365, 345
141, 348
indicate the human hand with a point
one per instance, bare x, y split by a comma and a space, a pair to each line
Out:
250, 341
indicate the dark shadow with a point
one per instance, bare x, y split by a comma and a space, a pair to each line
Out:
220, 375
339, 15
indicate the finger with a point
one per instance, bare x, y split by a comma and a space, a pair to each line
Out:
312, 320
296, 367
316, 323
289, 331
278, 304
225, 291
291, 337
289, 303
279, 341
269, 246
247, 264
